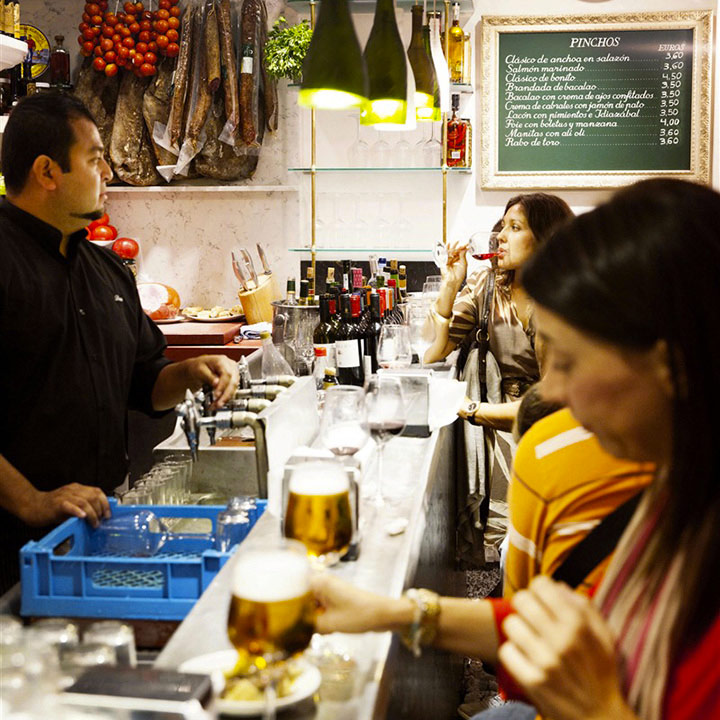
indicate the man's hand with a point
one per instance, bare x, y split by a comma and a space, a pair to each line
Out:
218, 371
74, 500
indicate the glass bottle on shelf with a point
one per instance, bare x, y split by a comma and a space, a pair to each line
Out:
324, 333
456, 47
59, 64
347, 347
456, 136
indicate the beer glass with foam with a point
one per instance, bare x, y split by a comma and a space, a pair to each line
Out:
318, 510
272, 611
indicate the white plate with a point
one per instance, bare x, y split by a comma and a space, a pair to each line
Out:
215, 664
167, 321
226, 318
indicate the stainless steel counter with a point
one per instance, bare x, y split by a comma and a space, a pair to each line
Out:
390, 682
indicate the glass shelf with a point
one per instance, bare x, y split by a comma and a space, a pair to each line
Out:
381, 169
399, 252
193, 186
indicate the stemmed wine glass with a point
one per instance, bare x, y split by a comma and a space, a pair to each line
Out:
387, 416
380, 152
359, 151
481, 245
432, 150
394, 349
422, 332
343, 426
272, 612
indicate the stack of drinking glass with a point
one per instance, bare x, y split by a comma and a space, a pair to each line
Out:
166, 483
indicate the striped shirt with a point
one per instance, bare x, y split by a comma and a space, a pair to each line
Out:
563, 485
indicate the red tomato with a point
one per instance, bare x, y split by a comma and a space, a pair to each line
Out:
164, 4
96, 20
141, 48
92, 9
151, 57
161, 26
111, 20
104, 220
83, 26
147, 70
89, 34
173, 49
123, 52
128, 42
126, 248
173, 23
138, 60
162, 42
103, 232
144, 36
98, 51
152, 47
134, 28
99, 65
111, 69
175, 12
129, 7
110, 57
106, 44
172, 36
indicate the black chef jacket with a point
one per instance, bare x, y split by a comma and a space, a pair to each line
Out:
76, 351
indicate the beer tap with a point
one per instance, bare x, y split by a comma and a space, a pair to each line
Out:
254, 405
244, 373
269, 392
192, 422
205, 398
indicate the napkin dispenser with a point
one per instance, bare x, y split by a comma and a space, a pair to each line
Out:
354, 473
416, 392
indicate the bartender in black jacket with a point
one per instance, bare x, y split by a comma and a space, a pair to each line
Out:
76, 349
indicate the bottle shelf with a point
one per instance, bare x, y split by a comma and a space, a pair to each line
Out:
368, 6
465, 170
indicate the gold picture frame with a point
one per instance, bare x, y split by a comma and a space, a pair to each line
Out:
492, 27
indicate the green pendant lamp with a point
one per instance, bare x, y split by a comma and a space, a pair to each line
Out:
334, 75
422, 67
387, 66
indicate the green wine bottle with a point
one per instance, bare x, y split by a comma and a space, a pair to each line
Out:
334, 74
387, 70
422, 67
436, 113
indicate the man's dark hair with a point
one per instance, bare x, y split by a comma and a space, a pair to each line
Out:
39, 125
533, 407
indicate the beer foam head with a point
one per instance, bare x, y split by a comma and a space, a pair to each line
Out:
271, 575
319, 478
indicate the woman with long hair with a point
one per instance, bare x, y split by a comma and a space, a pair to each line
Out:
497, 379
626, 303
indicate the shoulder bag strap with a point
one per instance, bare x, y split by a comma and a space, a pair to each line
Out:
596, 545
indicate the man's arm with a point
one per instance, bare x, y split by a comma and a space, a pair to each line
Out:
37, 508
218, 371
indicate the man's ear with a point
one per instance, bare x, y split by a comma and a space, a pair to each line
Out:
46, 171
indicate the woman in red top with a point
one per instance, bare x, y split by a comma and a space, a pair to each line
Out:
627, 303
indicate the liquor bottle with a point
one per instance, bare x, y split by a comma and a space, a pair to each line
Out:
346, 276
330, 379
290, 298
402, 282
468, 141
272, 362
356, 278
456, 136
59, 64
304, 288
324, 333
372, 336
333, 305
4, 25
311, 297
347, 348
456, 47
330, 280
394, 273
422, 67
320, 366
387, 69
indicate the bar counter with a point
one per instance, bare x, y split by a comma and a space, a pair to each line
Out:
390, 682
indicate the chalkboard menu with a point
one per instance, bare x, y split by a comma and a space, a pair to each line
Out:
595, 101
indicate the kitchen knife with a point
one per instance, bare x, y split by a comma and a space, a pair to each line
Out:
239, 272
249, 267
263, 259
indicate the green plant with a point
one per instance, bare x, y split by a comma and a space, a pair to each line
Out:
286, 47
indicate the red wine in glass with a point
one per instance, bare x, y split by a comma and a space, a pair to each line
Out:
382, 431
485, 256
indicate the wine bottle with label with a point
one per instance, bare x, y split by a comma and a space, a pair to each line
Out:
290, 298
456, 51
347, 347
372, 336
324, 333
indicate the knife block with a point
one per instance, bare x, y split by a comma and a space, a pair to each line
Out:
256, 303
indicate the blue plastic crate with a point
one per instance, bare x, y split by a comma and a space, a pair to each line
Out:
61, 576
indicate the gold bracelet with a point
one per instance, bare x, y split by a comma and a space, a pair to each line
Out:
426, 618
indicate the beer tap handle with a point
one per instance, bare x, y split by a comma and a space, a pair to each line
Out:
207, 400
189, 421
244, 373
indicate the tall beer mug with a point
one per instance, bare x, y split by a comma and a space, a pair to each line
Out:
272, 611
320, 509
